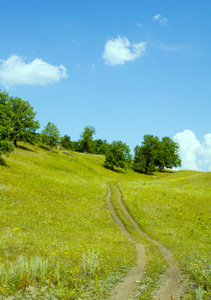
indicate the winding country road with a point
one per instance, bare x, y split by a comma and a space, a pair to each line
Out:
126, 289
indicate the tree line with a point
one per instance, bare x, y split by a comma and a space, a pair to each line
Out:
17, 123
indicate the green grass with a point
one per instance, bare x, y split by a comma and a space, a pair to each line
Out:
53, 205
176, 210
58, 238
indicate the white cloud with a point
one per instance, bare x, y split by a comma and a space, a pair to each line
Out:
118, 51
194, 155
15, 71
162, 20
206, 150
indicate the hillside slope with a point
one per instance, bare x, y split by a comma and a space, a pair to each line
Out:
58, 236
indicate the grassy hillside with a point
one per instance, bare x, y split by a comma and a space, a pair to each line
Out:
176, 210
58, 237
53, 210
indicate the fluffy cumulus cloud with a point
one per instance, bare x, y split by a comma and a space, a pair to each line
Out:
120, 50
162, 20
15, 70
206, 151
194, 155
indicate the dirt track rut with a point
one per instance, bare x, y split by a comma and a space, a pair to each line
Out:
169, 283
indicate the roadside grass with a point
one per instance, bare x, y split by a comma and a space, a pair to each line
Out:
176, 210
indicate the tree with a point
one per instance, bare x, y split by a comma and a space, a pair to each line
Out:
50, 135
6, 125
144, 159
117, 155
100, 146
66, 142
155, 153
139, 160
24, 125
168, 155
76, 146
86, 140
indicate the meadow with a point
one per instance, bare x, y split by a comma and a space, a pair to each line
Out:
176, 211
58, 239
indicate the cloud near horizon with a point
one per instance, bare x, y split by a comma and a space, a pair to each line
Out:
120, 50
194, 155
14, 71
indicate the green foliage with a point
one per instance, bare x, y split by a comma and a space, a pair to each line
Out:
6, 125
139, 160
50, 135
144, 158
86, 141
24, 125
167, 155
100, 146
155, 153
117, 155
66, 142
76, 146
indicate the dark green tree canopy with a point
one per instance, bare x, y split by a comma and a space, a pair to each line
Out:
86, 141
155, 153
168, 154
66, 142
6, 125
24, 125
100, 146
117, 155
140, 163
144, 158
50, 135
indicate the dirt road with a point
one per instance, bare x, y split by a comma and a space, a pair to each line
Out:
128, 286
126, 289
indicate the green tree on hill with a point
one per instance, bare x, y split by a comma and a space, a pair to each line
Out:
117, 155
155, 153
66, 142
168, 154
144, 158
139, 160
100, 146
50, 135
24, 125
86, 141
6, 125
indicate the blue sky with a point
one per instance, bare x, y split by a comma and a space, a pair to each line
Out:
128, 68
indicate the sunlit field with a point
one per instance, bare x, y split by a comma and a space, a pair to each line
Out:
58, 238
57, 235
176, 210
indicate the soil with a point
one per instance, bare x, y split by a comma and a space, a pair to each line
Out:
169, 283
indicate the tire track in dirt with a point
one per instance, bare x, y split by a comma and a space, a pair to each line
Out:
169, 283
129, 284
